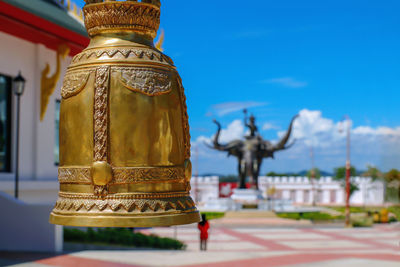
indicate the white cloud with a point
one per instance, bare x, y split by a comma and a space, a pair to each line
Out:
287, 82
269, 126
316, 130
229, 107
364, 130
235, 130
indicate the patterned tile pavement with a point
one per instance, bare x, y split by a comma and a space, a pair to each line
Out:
254, 246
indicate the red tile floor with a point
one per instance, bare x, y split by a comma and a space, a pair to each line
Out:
254, 246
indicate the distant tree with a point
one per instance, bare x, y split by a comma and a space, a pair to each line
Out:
373, 172
392, 175
315, 173
228, 178
392, 179
275, 174
340, 175
340, 172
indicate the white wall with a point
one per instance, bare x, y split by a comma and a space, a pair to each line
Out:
370, 193
37, 139
33, 192
204, 188
26, 228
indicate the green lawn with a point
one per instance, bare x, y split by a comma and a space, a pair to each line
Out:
361, 220
313, 216
357, 209
395, 210
210, 215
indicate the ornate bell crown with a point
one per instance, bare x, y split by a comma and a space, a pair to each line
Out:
110, 16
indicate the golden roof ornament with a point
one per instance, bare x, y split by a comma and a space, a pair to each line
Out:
124, 132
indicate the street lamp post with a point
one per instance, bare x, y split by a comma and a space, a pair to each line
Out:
312, 177
18, 89
348, 168
196, 192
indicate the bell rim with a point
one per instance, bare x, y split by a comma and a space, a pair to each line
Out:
125, 221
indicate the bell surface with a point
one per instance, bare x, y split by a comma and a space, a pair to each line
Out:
124, 132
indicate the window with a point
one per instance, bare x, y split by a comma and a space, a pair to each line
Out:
57, 130
5, 123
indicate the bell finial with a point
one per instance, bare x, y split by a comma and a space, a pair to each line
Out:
110, 16
153, 2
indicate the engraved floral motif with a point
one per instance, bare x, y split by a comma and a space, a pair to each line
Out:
74, 175
126, 196
129, 175
100, 190
122, 16
73, 83
154, 2
149, 81
124, 52
122, 175
71, 204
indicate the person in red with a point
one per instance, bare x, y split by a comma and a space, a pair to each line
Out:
203, 227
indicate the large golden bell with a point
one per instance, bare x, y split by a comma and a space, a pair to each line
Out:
124, 133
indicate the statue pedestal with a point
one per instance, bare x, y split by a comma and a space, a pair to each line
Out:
247, 196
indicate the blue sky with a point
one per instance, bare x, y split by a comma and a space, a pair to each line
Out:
278, 58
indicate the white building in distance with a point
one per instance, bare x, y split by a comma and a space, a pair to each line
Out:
299, 190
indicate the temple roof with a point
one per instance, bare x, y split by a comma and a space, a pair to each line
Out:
52, 11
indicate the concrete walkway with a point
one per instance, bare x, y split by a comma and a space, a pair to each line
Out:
254, 246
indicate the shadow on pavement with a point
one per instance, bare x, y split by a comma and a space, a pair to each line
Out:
11, 258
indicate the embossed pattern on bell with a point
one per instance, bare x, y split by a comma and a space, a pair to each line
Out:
124, 131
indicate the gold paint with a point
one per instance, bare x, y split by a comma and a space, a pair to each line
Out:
188, 169
124, 132
79, 175
77, 188
148, 187
160, 41
48, 84
101, 173
112, 17
124, 175
74, 82
69, 204
119, 221
76, 127
171, 186
148, 81
73, 9
150, 174
101, 113
167, 195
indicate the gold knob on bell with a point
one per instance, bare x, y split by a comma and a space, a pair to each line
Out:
101, 173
